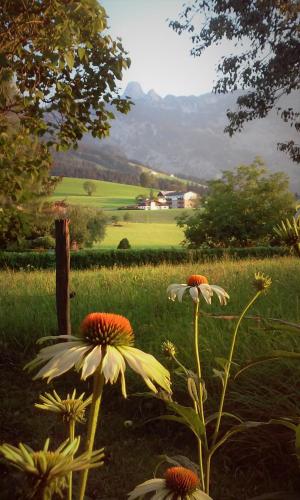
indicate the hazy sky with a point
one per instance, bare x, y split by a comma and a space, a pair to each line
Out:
160, 58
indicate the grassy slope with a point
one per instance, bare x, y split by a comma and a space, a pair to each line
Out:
109, 195
259, 461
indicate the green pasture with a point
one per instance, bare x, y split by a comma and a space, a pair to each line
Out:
142, 235
148, 216
109, 195
252, 463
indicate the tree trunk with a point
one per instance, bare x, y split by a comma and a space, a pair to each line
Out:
62, 251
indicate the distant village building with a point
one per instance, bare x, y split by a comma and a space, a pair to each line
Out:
148, 204
169, 199
178, 199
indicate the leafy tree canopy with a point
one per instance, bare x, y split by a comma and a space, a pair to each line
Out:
64, 66
58, 80
267, 58
90, 187
241, 208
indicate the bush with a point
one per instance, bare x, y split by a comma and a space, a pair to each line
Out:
46, 242
124, 244
86, 259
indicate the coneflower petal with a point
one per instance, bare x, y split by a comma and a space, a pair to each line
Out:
61, 363
112, 363
206, 292
194, 293
221, 294
147, 366
162, 494
147, 487
91, 362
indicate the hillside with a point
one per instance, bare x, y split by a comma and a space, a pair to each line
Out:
108, 195
108, 163
185, 135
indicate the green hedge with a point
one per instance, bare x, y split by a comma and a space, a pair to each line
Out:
86, 259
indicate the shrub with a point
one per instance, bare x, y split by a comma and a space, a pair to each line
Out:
46, 242
86, 259
124, 244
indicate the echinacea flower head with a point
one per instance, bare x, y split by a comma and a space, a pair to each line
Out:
261, 282
168, 349
105, 343
196, 284
70, 409
48, 471
179, 483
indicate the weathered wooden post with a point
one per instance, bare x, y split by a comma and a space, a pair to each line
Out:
62, 252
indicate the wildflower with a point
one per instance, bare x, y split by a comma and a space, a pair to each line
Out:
261, 282
179, 484
46, 470
197, 283
105, 341
168, 349
71, 408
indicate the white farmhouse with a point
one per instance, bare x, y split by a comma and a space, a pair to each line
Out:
152, 205
178, 199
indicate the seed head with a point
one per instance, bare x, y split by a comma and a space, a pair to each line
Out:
197, 279
107, 329
261, 282
181, 481
168, 349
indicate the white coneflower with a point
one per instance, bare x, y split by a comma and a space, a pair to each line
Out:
71, 408
179, 483
197, 283
48, 471
105, 339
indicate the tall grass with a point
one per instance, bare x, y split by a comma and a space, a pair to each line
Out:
249, 464
27, 301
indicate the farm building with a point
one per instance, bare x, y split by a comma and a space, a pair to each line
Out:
148, 204
175, 199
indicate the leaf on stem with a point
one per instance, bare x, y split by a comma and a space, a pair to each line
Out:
278, 354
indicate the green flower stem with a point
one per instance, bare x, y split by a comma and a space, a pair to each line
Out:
181, 365
200, 410
208, 460
228, 366
92, 425
72, 437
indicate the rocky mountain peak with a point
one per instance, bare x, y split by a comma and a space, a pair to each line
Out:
153, 96
134, 90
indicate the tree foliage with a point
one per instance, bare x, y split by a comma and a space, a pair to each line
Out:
124, 244
266, 62
87, 225
240, 209
64, 65
59, 69
90, 187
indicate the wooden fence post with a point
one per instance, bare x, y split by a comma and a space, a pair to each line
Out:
62, 252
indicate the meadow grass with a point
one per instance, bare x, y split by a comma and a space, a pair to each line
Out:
148, 216
249, 464
142, 235
108, 195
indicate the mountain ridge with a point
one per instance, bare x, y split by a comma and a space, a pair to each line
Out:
185, 134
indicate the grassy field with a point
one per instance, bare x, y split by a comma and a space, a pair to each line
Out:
250, 464
163, 232
143, 235
109, 195
148, 216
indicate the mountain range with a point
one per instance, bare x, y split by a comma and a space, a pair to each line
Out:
185, 134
